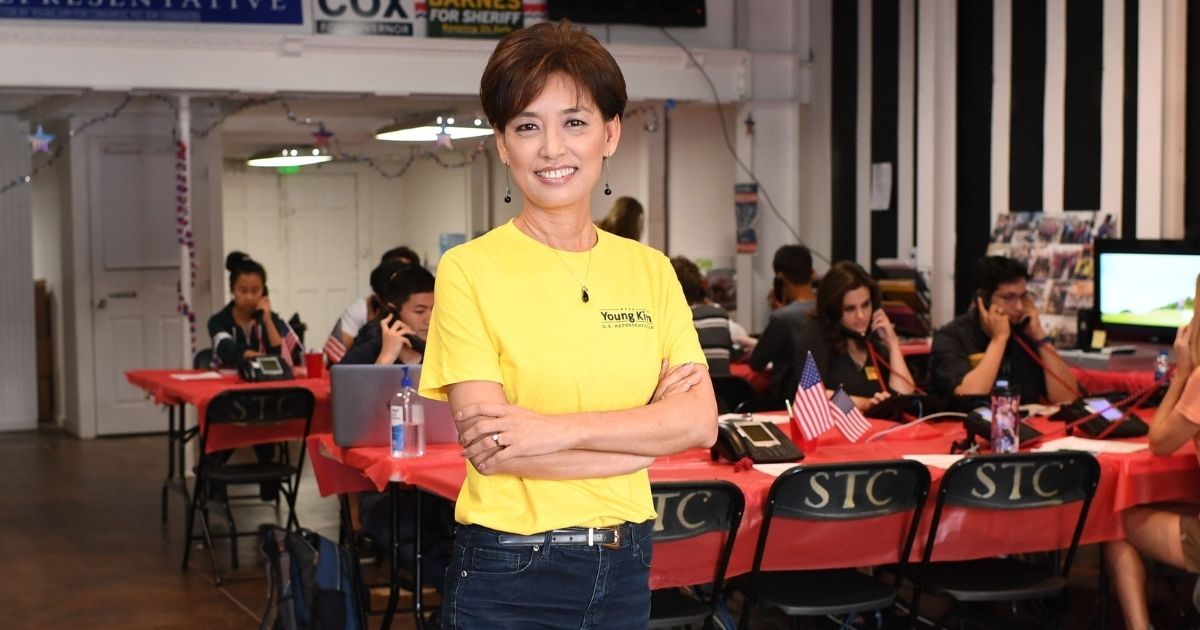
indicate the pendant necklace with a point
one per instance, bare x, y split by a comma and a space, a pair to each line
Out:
583, 290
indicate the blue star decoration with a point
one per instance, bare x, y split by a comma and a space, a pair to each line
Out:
39, 140
443, 141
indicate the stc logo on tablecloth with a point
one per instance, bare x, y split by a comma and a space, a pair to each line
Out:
626, 318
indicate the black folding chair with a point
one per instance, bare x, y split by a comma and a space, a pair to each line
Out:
688, 510
203, 359
731, 391
835, 492
259, 407
1007, 482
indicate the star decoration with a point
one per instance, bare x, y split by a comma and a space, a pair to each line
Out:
443, 141
321, 137
40, 140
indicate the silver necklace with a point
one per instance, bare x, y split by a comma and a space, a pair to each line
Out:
583, 290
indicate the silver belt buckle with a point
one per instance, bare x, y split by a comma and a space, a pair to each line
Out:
616, 532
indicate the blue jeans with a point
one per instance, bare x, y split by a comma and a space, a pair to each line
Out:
489, 585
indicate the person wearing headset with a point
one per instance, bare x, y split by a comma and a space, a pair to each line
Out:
852, 341
1000, 336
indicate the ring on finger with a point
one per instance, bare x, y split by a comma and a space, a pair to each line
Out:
496, 439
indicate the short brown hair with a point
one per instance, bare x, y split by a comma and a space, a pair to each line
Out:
690, 279
525, 60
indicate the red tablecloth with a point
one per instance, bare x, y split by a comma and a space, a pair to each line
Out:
1103, 381
1125, 480
166, 390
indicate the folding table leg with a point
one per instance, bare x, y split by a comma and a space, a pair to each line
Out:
394, 566
417, 586
162, 502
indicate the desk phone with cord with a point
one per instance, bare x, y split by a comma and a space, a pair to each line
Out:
762, 441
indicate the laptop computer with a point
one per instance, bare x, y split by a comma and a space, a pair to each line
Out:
359, 396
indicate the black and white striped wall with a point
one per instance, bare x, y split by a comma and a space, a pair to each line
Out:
989, 106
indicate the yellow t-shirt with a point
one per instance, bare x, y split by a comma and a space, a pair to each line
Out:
508, 310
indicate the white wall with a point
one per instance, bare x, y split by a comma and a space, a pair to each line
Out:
700, 185
18, 378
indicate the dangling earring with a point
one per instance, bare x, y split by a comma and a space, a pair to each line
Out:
507, 186
607, 190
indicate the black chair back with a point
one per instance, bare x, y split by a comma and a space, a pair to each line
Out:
687, 509
1019, 481
203, 359
730, 391
848, 491
260, 406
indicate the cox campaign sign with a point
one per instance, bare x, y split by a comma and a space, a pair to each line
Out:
364, 17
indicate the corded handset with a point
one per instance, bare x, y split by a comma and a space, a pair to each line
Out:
258, 313
763, 442
987, 303
268, 368
418, 343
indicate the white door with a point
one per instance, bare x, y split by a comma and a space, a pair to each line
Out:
135, 271
322, 250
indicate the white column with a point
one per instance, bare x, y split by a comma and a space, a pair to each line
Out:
1151, 28
18, 331
936, 99
1054, 115
1002, 44
904, 144
1174, 112
1112, 109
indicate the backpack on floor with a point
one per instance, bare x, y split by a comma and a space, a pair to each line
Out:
310, 582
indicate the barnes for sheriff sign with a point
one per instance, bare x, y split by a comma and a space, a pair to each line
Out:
483, 19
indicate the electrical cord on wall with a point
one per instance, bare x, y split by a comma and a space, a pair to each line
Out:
733, 151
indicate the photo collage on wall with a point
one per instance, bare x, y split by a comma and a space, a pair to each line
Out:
1057, 251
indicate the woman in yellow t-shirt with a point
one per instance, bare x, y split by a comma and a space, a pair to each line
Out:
569, 357
1167, 533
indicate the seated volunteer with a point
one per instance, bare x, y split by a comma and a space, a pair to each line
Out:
406, 303
1167, 533
247, 328
776, 347
713, 326
848, 318
1000, 336
402, 323
624, 219
568, 356
363, 309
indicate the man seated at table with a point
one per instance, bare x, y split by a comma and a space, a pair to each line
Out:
777, 344
719, 335
1000, 336
397, 333
396, 336
365, 308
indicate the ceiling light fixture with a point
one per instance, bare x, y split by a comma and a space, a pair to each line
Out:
429, 133
291, 156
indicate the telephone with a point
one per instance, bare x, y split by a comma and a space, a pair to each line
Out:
258, 314
268, 368
763, 442
895, 406
979, 423
1109, 413
418, 343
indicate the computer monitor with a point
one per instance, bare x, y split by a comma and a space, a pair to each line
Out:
1144, 288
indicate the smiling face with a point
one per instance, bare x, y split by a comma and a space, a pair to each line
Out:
856, 310
555, 147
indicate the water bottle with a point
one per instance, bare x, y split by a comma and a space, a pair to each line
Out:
408, 421
1005, 418
1161, 367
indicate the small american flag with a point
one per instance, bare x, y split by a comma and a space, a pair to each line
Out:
812, 407
846, 416
334, 348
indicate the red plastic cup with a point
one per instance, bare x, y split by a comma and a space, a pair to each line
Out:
314, 362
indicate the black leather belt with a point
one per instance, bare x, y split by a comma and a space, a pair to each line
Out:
608, 537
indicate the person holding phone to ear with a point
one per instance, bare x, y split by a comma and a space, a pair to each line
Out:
845, 329
247, 327
1000, 336
397, 334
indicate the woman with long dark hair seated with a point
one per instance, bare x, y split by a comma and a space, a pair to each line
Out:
852, 340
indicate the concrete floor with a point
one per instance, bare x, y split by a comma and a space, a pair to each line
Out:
81, 545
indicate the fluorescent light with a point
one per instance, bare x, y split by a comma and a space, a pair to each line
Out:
429, 133
291, 156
